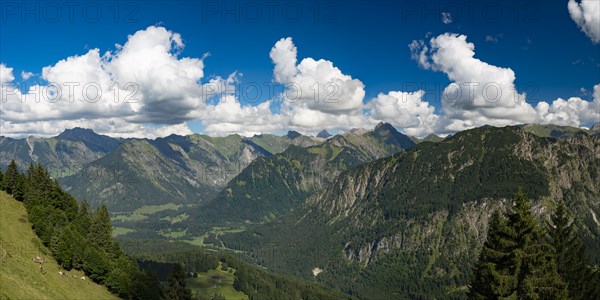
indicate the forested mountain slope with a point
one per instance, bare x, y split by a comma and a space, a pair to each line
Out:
411, 225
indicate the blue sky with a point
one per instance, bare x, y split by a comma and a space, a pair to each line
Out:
368, 40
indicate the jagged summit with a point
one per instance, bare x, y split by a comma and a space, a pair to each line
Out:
393, 136
324, 134
384, 126
76, 132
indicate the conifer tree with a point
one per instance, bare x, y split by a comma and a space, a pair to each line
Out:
100, 232
176, 286
515, 263
146, 286
96, 263
83, 219
12, 181
495, 273
538, 276
119, 280
571, 260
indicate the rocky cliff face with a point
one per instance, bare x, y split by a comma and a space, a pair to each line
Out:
565, 169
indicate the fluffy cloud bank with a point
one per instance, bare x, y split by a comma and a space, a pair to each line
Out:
484, 94
142, 88
145, 89
318, 94
587, 16
405, 110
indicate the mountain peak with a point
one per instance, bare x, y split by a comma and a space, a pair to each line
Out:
91, 139
385, 127
389, 133
293, 134
324, 134
595, 126
77, 133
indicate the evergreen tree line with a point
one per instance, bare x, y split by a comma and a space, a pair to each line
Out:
81, 238
521, 259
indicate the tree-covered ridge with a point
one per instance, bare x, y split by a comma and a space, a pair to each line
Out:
418, 218
557, 131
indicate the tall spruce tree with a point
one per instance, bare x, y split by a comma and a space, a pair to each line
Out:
515, 263
538, 276
13, 182
146, 286
495, 273
176, 286
9, 179
100, 232
83, 220
572, 264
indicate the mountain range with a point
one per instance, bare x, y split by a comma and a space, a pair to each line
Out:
126, 174
370, 213
272, 185
62, 155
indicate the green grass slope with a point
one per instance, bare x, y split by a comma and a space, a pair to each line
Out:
20, 277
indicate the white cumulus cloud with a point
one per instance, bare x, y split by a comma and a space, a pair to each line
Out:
144, 88
480, 94
405, 110
484, 94
142, 82
318, 94
6, 74
586, 13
